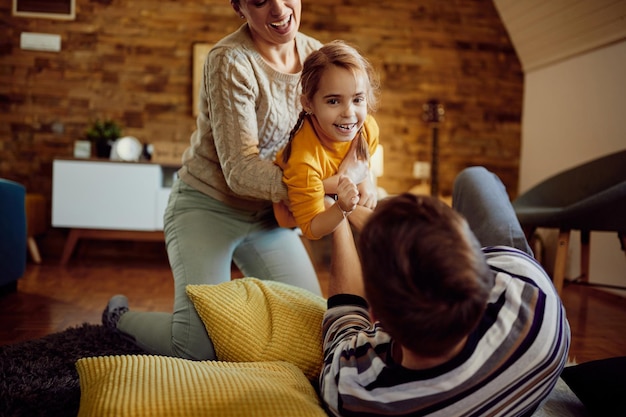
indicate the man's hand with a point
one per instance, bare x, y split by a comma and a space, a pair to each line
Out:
368, 194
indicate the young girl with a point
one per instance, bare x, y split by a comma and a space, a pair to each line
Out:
338, 90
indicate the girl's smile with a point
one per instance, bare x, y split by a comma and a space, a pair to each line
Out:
339, 106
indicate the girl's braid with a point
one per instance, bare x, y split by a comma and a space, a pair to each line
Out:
296, 129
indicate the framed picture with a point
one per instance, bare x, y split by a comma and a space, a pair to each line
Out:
200, 51
48, 9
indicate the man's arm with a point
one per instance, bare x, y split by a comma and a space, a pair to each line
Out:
345, 267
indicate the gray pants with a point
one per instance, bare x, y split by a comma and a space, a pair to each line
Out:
481, 198
203, 236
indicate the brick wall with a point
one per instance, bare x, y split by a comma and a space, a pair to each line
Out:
131, 61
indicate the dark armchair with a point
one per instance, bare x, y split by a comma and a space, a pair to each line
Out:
12, 234
588, 197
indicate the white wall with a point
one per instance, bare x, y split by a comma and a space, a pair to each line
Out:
575, 111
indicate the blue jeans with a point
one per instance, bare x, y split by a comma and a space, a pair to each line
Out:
481, 198
203, 236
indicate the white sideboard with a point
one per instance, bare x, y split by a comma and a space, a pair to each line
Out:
104, 199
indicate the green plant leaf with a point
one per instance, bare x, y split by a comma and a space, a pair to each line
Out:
107, 130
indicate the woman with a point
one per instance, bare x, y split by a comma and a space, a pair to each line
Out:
220, 209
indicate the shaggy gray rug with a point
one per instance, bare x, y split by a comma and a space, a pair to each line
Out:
39, 377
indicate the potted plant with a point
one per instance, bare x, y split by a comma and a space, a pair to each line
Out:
102, 133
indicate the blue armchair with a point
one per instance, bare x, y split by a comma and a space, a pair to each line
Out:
12, 234
588, 197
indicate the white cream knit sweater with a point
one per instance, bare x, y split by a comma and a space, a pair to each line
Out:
247, 110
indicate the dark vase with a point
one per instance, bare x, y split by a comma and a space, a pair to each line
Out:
103, 149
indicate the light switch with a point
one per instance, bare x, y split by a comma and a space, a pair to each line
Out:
421, 170
40, 42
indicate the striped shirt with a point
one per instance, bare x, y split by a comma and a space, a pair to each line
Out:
509, 364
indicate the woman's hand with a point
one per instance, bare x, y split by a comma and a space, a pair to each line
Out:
283, 215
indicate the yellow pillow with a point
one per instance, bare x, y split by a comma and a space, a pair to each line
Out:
250, 320
155, 386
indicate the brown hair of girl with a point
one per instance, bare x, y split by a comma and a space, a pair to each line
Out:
340, 54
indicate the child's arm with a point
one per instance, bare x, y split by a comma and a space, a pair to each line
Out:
328, 220
357, 218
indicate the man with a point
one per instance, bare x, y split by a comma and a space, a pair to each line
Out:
431, 324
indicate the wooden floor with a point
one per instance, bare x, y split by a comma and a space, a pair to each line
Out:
51, 298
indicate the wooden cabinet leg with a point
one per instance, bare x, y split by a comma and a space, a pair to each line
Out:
70, 243
33, 249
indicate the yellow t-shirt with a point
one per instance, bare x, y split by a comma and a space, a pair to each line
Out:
309, 164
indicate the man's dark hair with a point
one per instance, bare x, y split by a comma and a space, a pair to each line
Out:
425, 276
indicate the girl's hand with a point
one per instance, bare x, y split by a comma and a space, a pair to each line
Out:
347, 193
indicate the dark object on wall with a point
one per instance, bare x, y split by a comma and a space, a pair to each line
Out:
50, 9
588, 197
433, 115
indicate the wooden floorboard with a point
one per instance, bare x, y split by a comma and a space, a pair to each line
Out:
51, 298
